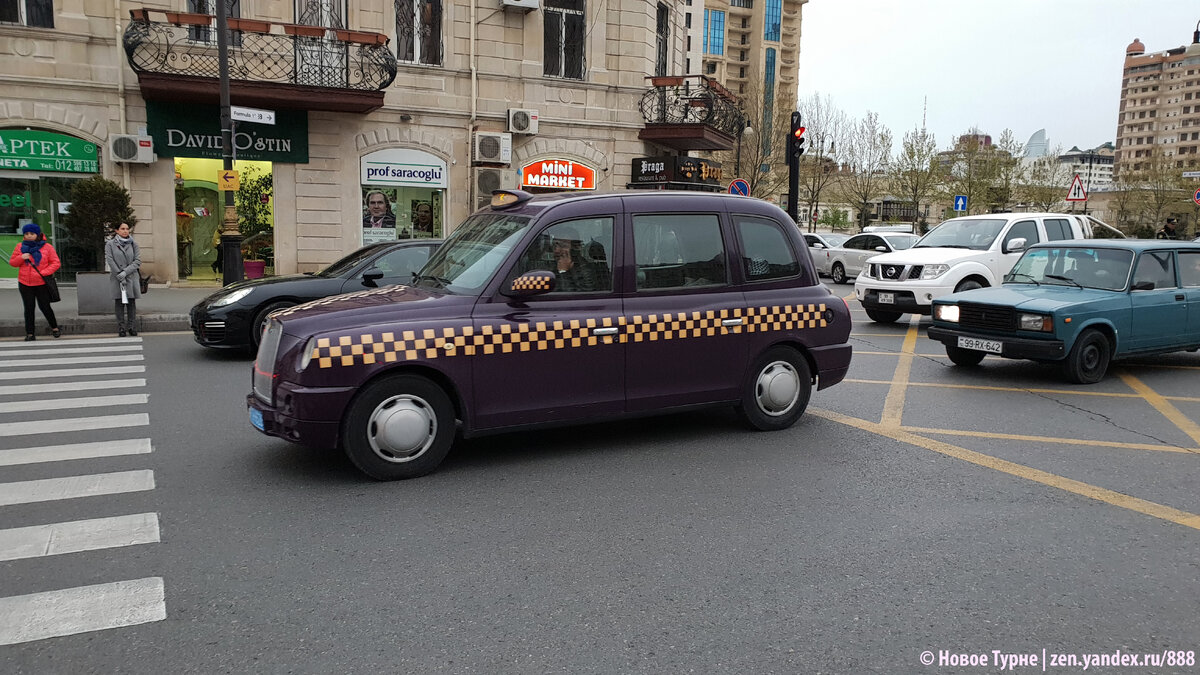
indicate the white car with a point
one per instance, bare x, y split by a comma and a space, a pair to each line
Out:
846, 261
818, 243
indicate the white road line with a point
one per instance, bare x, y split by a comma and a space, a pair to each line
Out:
60, 453
71, 350
99, 358
24, 618
73, 424
72, 403
79, 535
26, 375
71, 342
52, 489
47, 387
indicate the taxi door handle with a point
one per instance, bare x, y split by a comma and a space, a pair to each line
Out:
605, 331
731, 322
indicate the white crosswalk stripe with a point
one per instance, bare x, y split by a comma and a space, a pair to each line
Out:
36, 371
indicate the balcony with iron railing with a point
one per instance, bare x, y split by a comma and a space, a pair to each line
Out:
690, 112
270, 64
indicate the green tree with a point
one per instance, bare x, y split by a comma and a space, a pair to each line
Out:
915, 175
968, 170
98, 206
253, 200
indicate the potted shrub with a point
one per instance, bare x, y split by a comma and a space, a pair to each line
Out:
253, 200
98, 206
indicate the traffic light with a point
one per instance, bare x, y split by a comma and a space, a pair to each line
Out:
796, 139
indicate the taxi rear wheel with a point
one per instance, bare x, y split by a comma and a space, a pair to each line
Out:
777, 390
1088, 361
838, 273
399, 427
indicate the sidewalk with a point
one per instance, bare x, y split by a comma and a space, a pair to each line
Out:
161, 309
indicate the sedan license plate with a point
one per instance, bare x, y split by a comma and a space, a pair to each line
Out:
992, 346
887, 298
256, 419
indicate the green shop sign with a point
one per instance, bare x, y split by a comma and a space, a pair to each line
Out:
195, 131
27, 150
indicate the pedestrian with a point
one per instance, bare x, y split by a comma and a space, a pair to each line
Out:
36, 258
124, 260
1168, 230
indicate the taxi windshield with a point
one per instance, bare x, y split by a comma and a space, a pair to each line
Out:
1103, 268
472, 253
976, 234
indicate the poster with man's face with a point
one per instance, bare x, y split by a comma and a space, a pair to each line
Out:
379, 217
422, 218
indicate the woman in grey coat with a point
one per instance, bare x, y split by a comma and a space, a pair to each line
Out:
124, 259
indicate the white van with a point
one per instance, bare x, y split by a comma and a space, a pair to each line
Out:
961, 254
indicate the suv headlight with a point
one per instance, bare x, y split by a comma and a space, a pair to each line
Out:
947, 313
1038, 322
231, 298
934, 271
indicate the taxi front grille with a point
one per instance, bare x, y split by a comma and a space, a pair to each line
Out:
988, 317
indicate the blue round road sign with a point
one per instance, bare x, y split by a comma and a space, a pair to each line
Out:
1196, 197
739, 186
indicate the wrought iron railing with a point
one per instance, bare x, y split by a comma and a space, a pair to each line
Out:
691, 99
186, 44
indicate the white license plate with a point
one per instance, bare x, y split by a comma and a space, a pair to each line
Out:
256, 419
887, 298
992, 346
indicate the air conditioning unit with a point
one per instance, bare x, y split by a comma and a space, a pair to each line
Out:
491, 148
521, 121
488, 179
127, 148
522, 5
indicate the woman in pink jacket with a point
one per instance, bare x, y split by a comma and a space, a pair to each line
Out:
35, 258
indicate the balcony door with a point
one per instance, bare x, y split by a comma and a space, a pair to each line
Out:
321, 61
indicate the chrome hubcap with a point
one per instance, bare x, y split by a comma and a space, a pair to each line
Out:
402, 428
777, 388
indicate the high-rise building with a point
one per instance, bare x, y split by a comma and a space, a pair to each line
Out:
1160, 107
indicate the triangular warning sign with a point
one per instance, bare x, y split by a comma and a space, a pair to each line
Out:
1076, 193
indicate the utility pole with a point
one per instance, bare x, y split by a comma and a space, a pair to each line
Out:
231, 238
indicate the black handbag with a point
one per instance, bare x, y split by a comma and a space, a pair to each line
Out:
52, 286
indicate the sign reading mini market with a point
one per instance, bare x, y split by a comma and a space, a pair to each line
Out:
558, 173
195, 131
27, 150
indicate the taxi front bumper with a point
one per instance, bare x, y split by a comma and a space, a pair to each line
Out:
307, 415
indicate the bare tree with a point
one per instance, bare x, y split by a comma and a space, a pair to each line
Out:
1161, 184
865, 153
1007, 170
760, 156
1127, 204
826, 132
969, 171
915, 174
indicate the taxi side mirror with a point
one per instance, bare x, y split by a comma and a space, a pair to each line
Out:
1014, 245
532, 283
371, 276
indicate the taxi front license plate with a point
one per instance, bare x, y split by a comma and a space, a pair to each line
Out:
256, 419
887, 298
992, 346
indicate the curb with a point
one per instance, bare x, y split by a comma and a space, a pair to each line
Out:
92, 325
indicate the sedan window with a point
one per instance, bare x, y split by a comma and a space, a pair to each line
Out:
1189, 268
402, 262
1157, 267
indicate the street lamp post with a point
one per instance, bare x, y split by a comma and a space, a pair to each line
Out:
231, 238
746, 130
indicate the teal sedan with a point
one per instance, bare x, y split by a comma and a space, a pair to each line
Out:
1081, 304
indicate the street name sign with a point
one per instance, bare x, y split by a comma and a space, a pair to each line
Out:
960, 202
228, 181
256, 115
739, 186
1191, 174
1076, 193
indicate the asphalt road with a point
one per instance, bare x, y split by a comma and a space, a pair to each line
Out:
917, 507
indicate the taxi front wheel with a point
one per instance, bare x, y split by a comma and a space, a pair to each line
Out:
399, 427
777, 391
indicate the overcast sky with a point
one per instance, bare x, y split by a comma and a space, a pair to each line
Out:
1018, 64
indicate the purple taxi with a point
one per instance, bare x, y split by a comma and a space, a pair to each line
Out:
559, 309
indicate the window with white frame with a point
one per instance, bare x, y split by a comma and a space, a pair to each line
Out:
419, 31
565, 35
233, 10
35, 13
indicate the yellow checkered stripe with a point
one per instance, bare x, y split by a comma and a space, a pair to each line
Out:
532, 282
395, 346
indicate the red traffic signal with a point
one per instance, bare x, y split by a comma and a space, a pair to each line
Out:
798, 132
796, 140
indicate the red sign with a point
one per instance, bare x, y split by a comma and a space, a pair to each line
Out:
558, 173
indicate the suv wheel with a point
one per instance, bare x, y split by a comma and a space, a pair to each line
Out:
838, 273
777, 390
967, 285
399, 427
883, 316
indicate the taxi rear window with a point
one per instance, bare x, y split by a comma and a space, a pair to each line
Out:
678, 251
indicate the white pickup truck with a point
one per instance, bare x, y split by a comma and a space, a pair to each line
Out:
961, 254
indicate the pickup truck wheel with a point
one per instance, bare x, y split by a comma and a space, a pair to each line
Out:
882, 316
399, 427
967, 285
964, 357
777, 390
838, 273
1088, 361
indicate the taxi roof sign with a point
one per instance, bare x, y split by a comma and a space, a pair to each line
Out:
506, 199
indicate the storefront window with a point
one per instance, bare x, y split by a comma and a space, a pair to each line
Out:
403, 195
200, 209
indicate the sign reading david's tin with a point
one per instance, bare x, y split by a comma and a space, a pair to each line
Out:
28, 150
399, 166
195, 131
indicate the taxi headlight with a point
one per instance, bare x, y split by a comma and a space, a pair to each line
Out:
307, 355
1038, 322
946, 313
231, 297
934, 271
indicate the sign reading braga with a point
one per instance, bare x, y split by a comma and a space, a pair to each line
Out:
400, 166
563, 174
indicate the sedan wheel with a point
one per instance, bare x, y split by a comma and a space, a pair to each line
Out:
399, 427
1088, 361
838, 273
777, 391
260, 321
